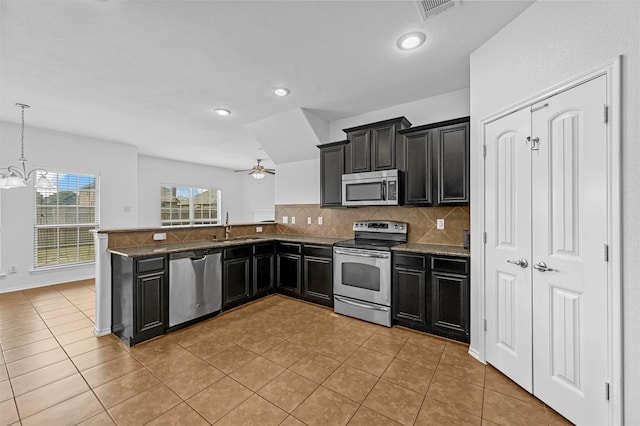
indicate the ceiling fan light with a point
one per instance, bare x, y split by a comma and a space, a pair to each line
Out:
258, 175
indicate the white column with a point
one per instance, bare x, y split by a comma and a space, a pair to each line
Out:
103, 285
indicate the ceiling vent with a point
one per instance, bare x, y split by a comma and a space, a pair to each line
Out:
430, 8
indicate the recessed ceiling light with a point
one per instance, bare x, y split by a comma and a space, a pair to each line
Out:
222, 112
411, 41
281, 91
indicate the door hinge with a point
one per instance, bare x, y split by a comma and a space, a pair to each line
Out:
605, 117
606, 391
485, 324
484, 151
484, 237
606, 252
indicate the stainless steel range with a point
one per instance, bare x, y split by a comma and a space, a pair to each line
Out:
362, 270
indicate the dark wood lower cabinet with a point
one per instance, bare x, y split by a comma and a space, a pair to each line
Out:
449, 303
318, 279
289, 267
139, 297
408, 293
236, 279
431, 293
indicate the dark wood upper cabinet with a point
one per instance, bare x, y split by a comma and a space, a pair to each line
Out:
332, 157
436, 163
453, 164
373, 146
418, 181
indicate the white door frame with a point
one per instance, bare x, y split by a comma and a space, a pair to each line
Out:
612, 70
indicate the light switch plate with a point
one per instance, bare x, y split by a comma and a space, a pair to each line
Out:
285, 219
309, 220
293, 220
320, 220
159, 236
440, 224
258, 228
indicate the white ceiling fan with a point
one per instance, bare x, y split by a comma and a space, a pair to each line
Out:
258, 171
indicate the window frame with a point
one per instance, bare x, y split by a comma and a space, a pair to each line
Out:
59, 225
191, 221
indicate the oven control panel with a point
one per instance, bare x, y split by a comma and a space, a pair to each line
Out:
382, 226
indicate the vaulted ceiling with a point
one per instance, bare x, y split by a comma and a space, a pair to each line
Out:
149, 73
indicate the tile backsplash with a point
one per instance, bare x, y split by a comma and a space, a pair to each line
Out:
339, 222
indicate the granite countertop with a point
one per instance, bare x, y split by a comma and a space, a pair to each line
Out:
179, 228
302, 239
205, 244
433, 249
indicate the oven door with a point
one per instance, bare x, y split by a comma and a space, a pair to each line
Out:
362, 274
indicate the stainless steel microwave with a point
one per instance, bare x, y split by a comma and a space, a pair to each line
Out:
371, 188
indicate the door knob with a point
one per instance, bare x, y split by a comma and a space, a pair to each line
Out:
520, 262
542, 267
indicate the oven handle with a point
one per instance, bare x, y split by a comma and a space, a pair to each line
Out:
361, 305
380, 256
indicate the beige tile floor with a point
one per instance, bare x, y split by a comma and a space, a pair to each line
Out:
273, 361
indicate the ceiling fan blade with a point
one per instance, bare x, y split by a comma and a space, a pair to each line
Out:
270, 171
247, 170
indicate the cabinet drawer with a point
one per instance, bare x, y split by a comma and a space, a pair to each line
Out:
237, 252
292, 248
150, 264
410, 261
263, 248
447, 264
317, 251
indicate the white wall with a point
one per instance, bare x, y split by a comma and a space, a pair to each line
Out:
548, 43
258, 198
114, 163
299, 182
442, 107
238, 197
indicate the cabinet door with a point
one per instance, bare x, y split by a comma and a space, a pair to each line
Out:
418, 173
289, 272
263, 272
383, 148
237, 281
151, 313
331, 171
449, 305
409, 301
360, 152
318, 279
453, 164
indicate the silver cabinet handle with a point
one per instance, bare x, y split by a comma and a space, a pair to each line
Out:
542, 267
361, 305
520, 262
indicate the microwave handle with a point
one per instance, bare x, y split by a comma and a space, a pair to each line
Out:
384, 190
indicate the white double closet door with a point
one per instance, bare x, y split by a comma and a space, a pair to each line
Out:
546, 268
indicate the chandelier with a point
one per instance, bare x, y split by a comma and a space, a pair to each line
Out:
16, 176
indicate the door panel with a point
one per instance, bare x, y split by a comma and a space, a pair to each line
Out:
508, 226
569, 220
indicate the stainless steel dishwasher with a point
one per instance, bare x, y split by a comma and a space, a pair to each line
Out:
195, 284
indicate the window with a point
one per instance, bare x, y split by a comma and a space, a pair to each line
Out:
65, 216
186, 206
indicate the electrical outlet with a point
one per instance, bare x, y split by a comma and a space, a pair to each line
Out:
319, 220
293, 220
258, 228
285, 219
440, 224
13, 269
159, 236
309, 220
